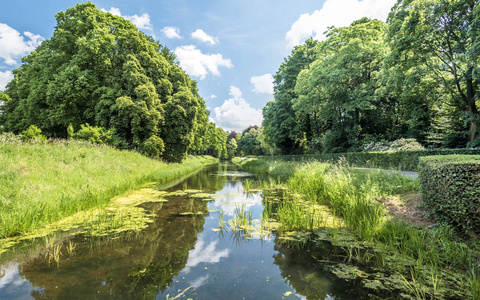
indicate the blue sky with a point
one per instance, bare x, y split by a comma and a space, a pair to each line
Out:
231, 48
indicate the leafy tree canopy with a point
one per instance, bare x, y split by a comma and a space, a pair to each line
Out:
99, 69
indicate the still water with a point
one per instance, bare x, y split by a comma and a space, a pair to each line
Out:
183, 255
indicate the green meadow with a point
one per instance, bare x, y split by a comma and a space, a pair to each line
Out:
46, 181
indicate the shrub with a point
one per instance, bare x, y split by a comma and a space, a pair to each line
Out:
451, 189
153, 146
93, 134
397, 145
397, 160
33, 133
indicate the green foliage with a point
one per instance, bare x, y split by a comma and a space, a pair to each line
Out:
451, 189
250, 143
392, 160
93, 134
32, 133
231, 148
99, 69
282, 128
397, 145
414, 77
153, 147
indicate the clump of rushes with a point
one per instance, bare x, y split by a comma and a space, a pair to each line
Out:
351, 195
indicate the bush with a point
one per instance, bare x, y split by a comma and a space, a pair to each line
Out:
396, 160
451, 189
33, 133
93, 134
153, 146
397, 145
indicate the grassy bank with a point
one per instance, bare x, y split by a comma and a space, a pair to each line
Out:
42, 183
424, 256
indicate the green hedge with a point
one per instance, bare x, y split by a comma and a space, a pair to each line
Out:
397, 160
451, 189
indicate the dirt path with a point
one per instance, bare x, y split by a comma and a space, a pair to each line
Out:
404, 173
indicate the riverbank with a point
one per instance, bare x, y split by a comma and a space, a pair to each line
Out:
45, 182
426, 262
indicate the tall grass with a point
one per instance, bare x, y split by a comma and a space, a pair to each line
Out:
43, 182
351, 195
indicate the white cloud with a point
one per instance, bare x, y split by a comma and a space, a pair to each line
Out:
202, 36
236, 113
197, 64
235, 92
262, 84
212, 96
5, 78
13, 46
171, 32
338, 13
142, 22
203, 253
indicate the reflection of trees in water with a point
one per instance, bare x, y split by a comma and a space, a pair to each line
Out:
204, 180
302, 269
132, 267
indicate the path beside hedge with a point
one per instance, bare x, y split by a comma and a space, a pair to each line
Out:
404, 173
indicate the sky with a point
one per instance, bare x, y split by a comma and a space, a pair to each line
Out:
232, 48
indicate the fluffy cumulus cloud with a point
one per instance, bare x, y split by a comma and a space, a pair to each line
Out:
198, 64
202, 36
142, 22
336, 13
204, 253
171, 32
262, 84
5, 77
236, 113
13, 45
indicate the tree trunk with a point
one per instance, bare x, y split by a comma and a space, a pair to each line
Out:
473, 114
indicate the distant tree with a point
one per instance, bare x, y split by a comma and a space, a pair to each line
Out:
249, 143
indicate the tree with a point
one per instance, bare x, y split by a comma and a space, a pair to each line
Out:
281, 127
99, 69
338, 91
249, 143
440, 34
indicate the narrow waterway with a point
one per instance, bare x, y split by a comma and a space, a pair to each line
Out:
185, 253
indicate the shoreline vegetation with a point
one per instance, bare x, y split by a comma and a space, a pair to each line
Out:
42, 182
425, 262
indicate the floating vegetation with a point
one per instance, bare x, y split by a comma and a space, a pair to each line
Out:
122, 214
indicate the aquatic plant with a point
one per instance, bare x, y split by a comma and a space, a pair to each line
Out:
351, 196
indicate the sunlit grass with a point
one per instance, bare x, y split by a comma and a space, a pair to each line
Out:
42, 183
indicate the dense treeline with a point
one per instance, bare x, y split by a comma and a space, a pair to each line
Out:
415, 77
99, 75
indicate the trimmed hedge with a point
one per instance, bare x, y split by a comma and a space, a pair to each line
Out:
451, 190
397, 160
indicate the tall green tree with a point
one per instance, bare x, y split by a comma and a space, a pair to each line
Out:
281, 127
99, 69
338, 90
440, 35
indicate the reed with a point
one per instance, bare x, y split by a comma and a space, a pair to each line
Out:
351, 196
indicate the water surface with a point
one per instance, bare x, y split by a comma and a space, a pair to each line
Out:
182, 255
